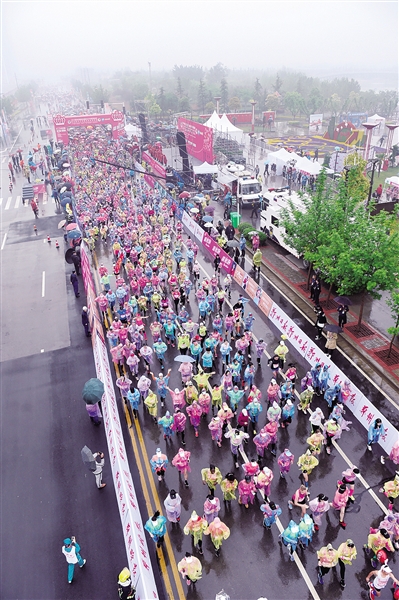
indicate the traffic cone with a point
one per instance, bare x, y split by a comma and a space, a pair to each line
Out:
49, 239
57, 244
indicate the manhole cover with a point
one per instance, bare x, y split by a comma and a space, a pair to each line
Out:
393, 357
359, 332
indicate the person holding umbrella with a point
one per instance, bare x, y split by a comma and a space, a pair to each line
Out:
343, 308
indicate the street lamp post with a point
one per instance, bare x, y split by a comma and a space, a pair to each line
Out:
369, 128
217, 100
374, 162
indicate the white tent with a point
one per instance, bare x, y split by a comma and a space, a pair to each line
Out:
226, 126
281, 157
308, 166
392, 181
213, 121
380, 122
205, 169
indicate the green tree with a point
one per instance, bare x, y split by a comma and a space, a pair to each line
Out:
155, 109
184, 104
314, 101
357, 182
234, 104
335, 104
394, 154
98, 93
209, 107
293, 102
224, 94
306, 220
202, 95
216, 73
393, 303
277, 85
259, 95
272, 102
366, 255
7, 104
179, 89
161, 99
388, 102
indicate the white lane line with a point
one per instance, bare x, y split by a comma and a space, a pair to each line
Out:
4, 241
4, 159
17, 201
377, 387
7, 206
43, 283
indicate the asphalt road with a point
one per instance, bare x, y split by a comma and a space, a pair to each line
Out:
47, 494
252, 562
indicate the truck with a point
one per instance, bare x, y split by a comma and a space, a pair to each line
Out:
241, 183
273, 203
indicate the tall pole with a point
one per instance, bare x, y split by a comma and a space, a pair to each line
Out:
375, 161
253, 102
391, 128
217, 100
369, 128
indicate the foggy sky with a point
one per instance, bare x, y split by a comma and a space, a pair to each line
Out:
42, 39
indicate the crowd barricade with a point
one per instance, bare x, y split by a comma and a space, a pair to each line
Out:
138, 558
362, 408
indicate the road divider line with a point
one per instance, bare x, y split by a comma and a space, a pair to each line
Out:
7, 206
17, 201
4, 241
43, 283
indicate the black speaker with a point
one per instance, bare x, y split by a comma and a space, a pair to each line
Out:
181, 142
143, 127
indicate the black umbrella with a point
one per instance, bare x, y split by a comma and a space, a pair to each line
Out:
343, 300
88, 458
93, 391
68, 256
333, 328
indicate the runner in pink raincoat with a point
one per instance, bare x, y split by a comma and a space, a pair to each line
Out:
194, 411
182, 463
204, 400
211, 508
247, 491
179, 424
216, 429
284, 461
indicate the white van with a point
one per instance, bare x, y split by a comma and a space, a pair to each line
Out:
270, 216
